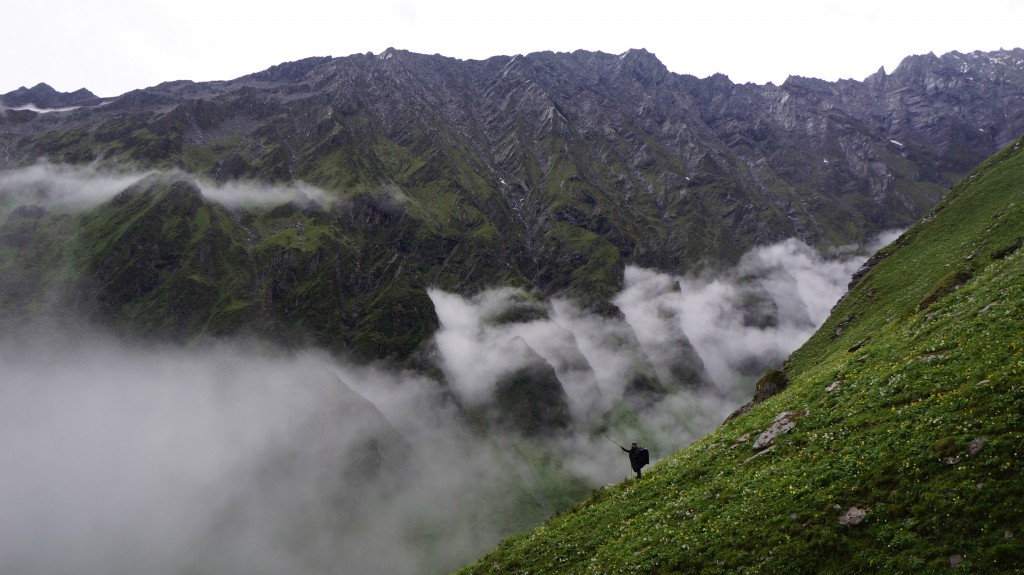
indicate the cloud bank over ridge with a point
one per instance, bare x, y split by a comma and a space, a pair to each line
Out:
68, 187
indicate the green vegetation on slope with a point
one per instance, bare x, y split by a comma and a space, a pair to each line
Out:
908, 459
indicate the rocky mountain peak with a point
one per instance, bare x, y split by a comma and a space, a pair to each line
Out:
877, 79
917, 66
643, 66
44, 96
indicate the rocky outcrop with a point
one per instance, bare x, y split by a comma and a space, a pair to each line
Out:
770, 384
785, 422
853, 516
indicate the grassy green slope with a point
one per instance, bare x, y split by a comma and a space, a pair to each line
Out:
914, 391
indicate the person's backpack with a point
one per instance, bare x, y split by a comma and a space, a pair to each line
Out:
643, 457
639, 458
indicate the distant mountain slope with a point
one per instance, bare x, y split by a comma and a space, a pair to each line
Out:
899, 432
548, 171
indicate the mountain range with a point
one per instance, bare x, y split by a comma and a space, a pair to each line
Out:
548, 171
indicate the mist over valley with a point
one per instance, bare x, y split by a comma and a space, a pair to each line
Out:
242, 456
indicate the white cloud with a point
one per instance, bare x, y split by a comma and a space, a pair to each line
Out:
62, 185
743, 320
159, 460
69, 187
475, 354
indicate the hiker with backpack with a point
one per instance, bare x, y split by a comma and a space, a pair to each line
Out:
638, 457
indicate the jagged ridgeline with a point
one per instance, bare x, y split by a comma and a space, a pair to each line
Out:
547, 172
890, 442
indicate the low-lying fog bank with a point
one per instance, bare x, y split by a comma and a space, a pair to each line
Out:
121, 457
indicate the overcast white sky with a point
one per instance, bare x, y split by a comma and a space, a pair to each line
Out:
113, 46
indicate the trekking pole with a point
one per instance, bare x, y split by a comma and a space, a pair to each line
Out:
612, 440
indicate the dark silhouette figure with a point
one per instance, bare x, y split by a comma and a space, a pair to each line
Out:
638, 457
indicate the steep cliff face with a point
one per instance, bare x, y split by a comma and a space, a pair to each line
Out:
549, 171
